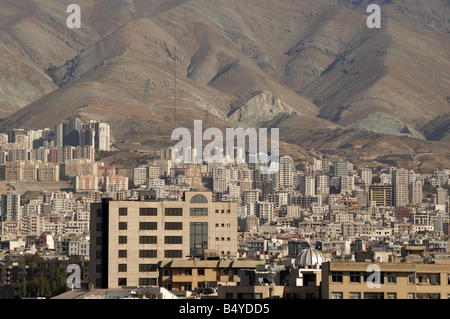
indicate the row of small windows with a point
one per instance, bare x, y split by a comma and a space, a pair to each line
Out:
123, 268
153, 239
142, 281
150, 211
380, 295
152, 253
391, 277
153, 226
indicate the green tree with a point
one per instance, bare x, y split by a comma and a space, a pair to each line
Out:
23, 288
17, 288
44, 287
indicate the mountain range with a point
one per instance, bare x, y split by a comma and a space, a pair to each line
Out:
310, 67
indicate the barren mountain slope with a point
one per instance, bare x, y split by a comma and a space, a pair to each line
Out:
244, 63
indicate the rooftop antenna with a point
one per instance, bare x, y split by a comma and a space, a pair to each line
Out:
175, 88
147, 91
207, 115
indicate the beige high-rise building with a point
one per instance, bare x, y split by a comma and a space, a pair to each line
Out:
415, 192
286, 172
366, 176
322, 184
381, 194
400, 187
128, 238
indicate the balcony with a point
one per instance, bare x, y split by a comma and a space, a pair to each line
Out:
182, 278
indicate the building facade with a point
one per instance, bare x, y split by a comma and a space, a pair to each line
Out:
128, 238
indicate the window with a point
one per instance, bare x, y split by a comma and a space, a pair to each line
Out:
123, 211
122, 239
411, 295
411, 278
354, 295
147, 281
376, 278
99, 240
249, 295
199, 199
391, 277
355, 277
147, 253
201, 272
98, 268
422, 279
373, 295
148, 211
435, 279
173, 253
188, 272
448, 279
122, 253
147, 267
122, 267
428, 296
336, 295
99, 226
122, 281
173, 226
199, 211
148, 226
391, 295
123, 226
99, 213
198, 238
229, 295
173, 212
173, 240
336, 276
147, 239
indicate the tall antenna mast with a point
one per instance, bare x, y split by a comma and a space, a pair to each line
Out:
207, 115
147, 91
175, 88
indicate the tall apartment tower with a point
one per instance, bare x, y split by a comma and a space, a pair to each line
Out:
10, 207
322, 184
366, 176
400, 187
415, 192
102, 136
71, 131
340, 168
441, 196
381, 194
129, 238
308, 185
286, 172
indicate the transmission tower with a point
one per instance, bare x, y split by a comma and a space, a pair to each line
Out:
175, 88
147, 91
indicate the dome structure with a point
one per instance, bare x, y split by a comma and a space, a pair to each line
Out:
309, 257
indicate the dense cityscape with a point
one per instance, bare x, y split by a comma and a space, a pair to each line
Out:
168, 231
